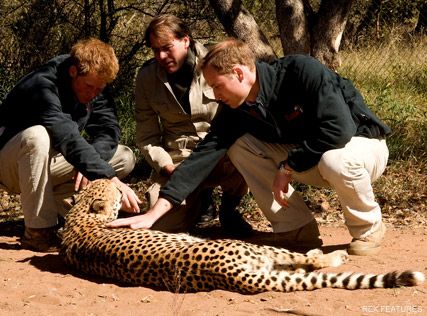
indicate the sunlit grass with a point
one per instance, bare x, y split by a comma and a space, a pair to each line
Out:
393, 80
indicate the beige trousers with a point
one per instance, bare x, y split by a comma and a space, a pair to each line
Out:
42, 176
349, 171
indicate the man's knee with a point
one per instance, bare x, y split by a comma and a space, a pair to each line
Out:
336, 166
123, 161
36, 140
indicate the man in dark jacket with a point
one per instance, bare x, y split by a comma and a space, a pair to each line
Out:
293, 119
42, 153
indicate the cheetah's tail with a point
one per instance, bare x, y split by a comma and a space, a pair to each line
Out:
352, 281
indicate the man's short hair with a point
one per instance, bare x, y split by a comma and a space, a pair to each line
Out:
224, 55
162, 26
92, 55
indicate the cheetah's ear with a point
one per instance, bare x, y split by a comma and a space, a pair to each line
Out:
98, 206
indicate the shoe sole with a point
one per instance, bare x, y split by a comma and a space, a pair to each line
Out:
363, 252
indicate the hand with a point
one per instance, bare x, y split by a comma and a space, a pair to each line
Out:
281, 186
161, 207
144, 221
130, 201
80, 182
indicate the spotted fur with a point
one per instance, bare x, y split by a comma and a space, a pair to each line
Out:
180, 262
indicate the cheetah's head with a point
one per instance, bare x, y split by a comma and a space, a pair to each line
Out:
102, 198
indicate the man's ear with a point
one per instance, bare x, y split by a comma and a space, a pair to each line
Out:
72, 71
186, 40
237, 70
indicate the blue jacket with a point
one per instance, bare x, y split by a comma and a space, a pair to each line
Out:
44, 97
300, 102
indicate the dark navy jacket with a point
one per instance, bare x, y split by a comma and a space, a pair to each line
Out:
300, 102
44, 97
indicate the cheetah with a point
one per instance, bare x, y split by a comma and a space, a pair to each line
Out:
183, 263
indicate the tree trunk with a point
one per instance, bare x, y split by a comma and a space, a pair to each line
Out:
301, 29
293, 20
327, 31
238, 22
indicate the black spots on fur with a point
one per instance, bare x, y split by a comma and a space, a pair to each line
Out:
359, 281
247, 253
298, 280
390, 279
407, 278
195, 250
346, 281
372, 281
333, 280
313, 280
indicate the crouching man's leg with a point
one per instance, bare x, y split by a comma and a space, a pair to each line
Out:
258, 161
25, 165
350, 171
234, 188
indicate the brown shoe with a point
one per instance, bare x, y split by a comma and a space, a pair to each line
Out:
368, 245
40, 239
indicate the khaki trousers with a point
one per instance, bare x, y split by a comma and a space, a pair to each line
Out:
350, 171
183, 217
42, 176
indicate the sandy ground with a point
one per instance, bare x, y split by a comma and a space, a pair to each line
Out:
34, 283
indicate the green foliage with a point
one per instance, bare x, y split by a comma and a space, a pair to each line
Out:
125, 112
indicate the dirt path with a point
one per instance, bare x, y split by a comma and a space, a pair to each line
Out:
39, 284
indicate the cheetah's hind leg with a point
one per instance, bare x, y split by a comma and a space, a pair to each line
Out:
333, 259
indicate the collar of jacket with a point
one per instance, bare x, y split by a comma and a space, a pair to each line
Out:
268, 82
200, 53
198, 77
